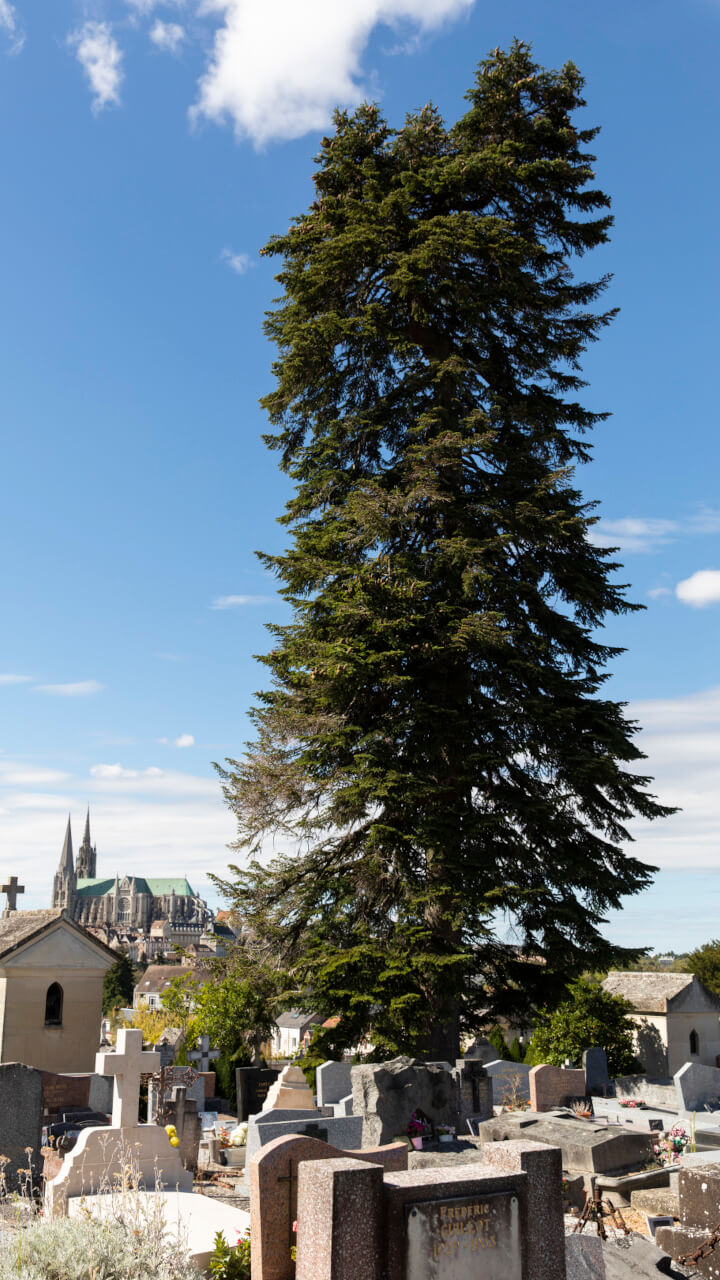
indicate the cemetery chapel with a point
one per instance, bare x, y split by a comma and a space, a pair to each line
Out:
128, 901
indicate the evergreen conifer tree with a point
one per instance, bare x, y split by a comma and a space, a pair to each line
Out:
436, 748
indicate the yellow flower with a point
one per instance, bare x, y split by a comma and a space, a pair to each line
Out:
174, 1142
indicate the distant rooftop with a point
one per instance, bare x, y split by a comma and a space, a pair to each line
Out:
652, 992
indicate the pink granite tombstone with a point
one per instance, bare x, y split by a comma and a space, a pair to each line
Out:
273, 1195
340, 1215
551, 1087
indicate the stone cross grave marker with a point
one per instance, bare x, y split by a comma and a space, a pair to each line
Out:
127, 1065
204, 1055
11, 889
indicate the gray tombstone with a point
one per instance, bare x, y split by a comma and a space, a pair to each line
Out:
101, 1093
333, 1082
597, 1078
343, 1132
386, 1094
182, 1112
21, 1115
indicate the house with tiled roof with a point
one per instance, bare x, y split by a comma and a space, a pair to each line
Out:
676, 1017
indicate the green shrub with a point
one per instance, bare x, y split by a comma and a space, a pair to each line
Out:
228, 1262
590, 1016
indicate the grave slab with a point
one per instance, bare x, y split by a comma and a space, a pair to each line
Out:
194, 1218
343, 1132
587, 1147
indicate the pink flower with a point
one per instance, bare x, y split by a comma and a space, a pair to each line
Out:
295, 1226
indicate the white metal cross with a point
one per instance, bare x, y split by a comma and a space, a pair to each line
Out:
127, 1064
12, 889
204, 1055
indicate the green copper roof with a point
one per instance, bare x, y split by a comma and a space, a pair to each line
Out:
159, 887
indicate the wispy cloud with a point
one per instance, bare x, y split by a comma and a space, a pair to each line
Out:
100, 57
240, 263
9, 678
656, 593
8, 22
168, 36
700, 589
646, 533
278, 68
79, 689
236, 602
118, 771
185, 740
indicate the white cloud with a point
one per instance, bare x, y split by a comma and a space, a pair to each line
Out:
633, 534
185, 740
28, 775
278, 68
8, 678
7, 16
700, 588
99, 55
681, 738
168, 36
655, 593
235, 602
80, 689
237, 262
117, 771
642, 534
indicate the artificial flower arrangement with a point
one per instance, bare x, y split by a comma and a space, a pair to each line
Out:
171, 1132
223, 1134
238, 1137
446, 1132
633, 1102
418, 1128
672, 1145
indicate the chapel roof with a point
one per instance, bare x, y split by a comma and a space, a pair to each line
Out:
653, 992
296, 1018
159, 976
20, 926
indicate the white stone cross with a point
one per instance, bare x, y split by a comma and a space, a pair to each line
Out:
12, 889
204, 1055
127, 1065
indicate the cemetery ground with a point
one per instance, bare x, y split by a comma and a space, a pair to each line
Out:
483, 1169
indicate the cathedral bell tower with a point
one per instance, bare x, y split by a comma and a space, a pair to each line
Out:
65, 882
87, 855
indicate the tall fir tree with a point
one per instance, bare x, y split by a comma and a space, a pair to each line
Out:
435, 749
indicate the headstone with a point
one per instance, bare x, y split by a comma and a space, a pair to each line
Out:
481, 1050
251, 1086
510, 1082
333, 1082
127, 1064
587, 1147
21, 1115
696, 1086
339, 1218
344, 1107
273, 1174
101, 1093
290, 1091
182, 1112
344, 1132
545, 1249
597, 1077
553, 1087
203, 1055
475, 1089
446, 1240
386, 1094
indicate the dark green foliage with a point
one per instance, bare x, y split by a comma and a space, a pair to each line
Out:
230, 1262
516, 1053
590, 1016
435, 741
704, 963
497, 1040
118, 984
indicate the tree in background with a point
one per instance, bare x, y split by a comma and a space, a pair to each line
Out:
435, 748
119, 984
705, 964
590, 1016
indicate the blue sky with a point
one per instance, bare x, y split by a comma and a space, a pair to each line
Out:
148, 151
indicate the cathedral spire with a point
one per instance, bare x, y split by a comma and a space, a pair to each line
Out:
87, 858
86, 837
66, 857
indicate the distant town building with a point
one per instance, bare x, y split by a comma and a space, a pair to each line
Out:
293, 1031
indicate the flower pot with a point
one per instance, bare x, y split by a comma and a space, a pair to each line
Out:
417, 1143
447, 1137
235, 1157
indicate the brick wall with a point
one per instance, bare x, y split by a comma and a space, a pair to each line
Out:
65, 1091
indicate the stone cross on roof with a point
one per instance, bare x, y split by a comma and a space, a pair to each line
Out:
11, 889
127, 1065
204, 1055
